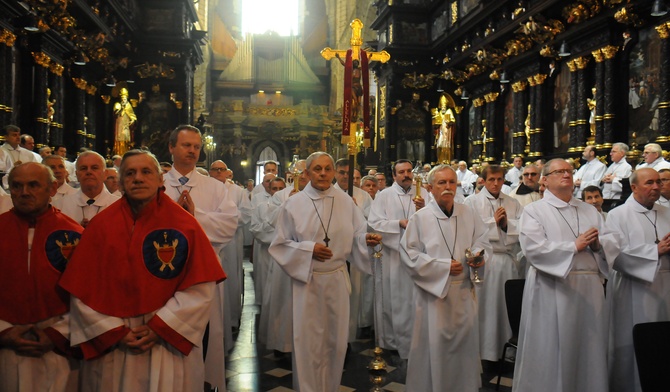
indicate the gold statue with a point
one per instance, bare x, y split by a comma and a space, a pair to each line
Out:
125, 118
526, 130
484, 134
50, 106
445, 119
591, 102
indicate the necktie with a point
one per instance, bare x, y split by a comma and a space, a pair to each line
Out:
183, 180
90, 201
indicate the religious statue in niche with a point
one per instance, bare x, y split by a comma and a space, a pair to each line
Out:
444, 123
50, 106
591, 103
125, 118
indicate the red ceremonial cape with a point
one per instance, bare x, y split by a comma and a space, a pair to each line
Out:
31, 295
127, 267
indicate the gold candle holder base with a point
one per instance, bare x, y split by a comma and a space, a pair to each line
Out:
377, 363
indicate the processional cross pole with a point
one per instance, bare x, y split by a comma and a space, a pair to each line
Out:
354, 93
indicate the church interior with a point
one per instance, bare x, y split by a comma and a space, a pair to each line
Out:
536, 79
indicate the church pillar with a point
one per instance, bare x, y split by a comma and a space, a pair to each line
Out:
664, 85
56, 105
41, 127
579, 112
537, 114
598, 139
520, 115
609, 96
7, 40
476, 154
493, 139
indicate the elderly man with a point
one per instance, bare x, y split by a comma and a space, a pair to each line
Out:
112, 181
140, 323
92, 197
69, 166
617, 171
653, 158
12, 148
269, 167
466, 180
317, 231
370, 185
589, 173
563, 332
44, 151
638, 290
389, 215
34, 311
664, 199
28, 142
361, 301
57, 164
445, 349
513, 176
207, 200
233, 253
500, 214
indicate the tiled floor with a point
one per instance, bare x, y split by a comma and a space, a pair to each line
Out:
250, 367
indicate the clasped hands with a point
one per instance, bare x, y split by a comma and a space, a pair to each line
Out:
588, 238
27, 340
323, 253
140, 339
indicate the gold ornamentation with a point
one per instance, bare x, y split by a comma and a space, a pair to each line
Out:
477, 102
41, 59
581, 11
598, 55
7, 37
454, 12
106, 99
494, 75
91, 89
531, 81
663, 30
414, 81
458, 109
491, 97
609, 51
519, 86
548, 51
382, 103
539, 78
626, 16
581, 62
270, 111
56, 69
161, 70
80, 83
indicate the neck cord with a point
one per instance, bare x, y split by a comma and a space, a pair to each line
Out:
568, 223
409, 206
330, 218
451, 252
653, 224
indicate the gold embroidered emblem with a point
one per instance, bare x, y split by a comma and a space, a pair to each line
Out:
166, 252
67, 248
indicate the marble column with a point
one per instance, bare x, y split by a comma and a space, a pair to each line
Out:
41, 123
493, 138
579, 111
597, 138
664, 85
476, 132
536, 133
519, 138
7, 40
609, 96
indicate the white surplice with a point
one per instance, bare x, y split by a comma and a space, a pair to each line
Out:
445, 340
161, 369
63, 190
320, 289
261, 257
513, 175
395, 287
657, 165
638, 290
563, 332
218, 216
493, 322
619, 170
76, 207
589, 173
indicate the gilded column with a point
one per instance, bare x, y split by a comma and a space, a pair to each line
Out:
579, 111
519, 137
476, 133
597, 136
532, 114
41, 109
493, 140
664, 98
609, 96
56, 105
79, 111
536, 133
7, 40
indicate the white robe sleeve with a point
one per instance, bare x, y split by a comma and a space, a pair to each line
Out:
360, 252
244, 208
87, 324
295, 257
187, 312
378, 218
219, 225
596, 178
260, 225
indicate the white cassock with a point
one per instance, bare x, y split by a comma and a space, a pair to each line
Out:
589, 173
6, 163
662, 201
619, 170
638, 290
445, 341
63, 191
514, 176
76, 207
320, 289
503, 265
163, 367
261, 257
563, 332
276, 321
361, 301
524, 195
233, 254
467, 179
18, 154
657, 165
218, 216
395, 287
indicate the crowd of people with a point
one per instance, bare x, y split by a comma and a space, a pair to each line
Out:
114, 270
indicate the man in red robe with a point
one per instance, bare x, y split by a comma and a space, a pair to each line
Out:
141, 284
35, 246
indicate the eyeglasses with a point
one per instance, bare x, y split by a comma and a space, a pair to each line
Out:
561, 172
218, 169
529, 174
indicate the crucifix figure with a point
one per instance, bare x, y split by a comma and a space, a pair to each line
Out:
355, 68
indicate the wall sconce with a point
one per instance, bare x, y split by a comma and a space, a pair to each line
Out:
659, 8
464, 95
503, 77
564, 51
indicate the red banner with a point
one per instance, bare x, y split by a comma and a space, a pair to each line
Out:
365, 98
346, 106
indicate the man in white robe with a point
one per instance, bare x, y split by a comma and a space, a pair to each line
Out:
12, 146
527, 191
589, 173
513, 175
233, 253
501, 215
563, 331
638, 290
617, 171
261, 257
359, 305
389, 215
445, 341
57, 165
269, 167
466, 180
206, 199
92, 196
653, 158
318, 230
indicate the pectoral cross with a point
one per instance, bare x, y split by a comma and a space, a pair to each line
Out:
349, 127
